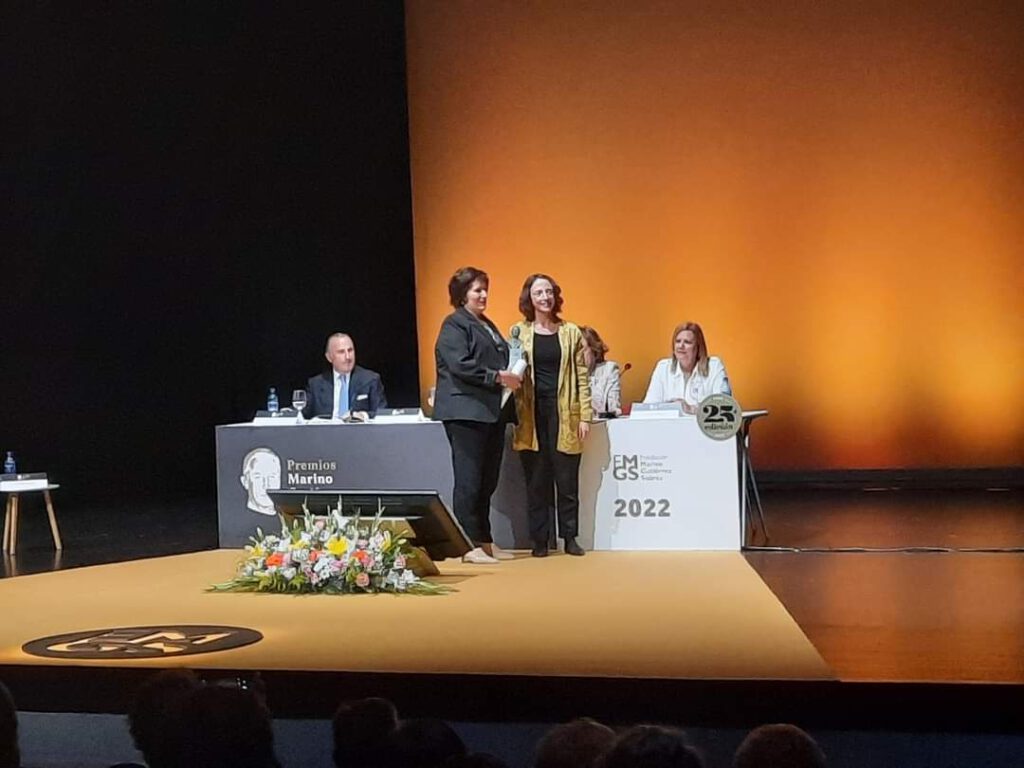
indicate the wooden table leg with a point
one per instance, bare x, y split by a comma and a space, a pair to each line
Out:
53, 521
12, 545
7, 524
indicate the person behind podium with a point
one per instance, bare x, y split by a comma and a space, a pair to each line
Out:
605, 376
690, 374
554, 413
347, 390
472, 362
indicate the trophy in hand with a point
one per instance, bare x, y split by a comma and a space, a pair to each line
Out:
516, 355
516, 360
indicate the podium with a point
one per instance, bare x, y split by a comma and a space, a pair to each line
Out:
645, 484
658, 484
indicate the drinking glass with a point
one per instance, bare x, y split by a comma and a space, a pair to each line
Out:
299, 403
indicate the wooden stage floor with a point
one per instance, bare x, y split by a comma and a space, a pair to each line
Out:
876, 638
610, 614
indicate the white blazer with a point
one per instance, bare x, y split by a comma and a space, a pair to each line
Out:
668, 385
606, 388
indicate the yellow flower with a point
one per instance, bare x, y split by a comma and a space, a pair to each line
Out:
337, 547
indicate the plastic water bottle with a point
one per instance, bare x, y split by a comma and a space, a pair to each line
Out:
272, 405
10, 467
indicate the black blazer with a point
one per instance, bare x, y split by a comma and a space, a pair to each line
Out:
365, 393
468, 360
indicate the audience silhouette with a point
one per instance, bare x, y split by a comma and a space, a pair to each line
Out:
9, 755
576, 744
652, 746
360, 727
178, 721
779, 746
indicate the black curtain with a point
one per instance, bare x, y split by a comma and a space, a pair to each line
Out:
195, 196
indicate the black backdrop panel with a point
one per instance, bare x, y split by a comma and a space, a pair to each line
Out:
195, 195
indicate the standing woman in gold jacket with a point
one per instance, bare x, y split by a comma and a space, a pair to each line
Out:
553, 408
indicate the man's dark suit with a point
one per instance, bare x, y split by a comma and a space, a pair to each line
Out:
365, 393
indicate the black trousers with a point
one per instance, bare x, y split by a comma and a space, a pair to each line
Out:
476, 460
551, 474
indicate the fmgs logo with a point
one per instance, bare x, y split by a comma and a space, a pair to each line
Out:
261, 472
142, 642
625, 467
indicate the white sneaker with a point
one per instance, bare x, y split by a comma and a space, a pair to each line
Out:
501, 554
478, 557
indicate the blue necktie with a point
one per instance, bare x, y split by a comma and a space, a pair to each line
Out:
343, 396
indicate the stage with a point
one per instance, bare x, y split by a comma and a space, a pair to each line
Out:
625, 614
885, 637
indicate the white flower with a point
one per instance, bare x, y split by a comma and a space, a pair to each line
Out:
288, 573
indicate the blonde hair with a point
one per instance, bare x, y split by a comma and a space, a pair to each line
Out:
702, 347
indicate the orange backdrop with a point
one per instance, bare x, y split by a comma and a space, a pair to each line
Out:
834, 191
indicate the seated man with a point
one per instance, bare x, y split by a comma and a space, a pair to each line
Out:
347, 388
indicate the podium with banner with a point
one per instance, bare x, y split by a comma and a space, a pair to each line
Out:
645, 484
650, 484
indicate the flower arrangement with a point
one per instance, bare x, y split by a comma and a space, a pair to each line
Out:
333, 555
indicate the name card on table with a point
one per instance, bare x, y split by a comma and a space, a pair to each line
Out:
656, 411
275, 418
399, 416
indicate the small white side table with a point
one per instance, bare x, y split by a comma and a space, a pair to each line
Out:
11, 518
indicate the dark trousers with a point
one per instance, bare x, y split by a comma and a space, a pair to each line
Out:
476, 461
546, 470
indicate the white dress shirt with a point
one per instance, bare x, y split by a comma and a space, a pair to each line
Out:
667, 384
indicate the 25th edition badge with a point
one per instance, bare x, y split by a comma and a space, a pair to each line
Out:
719, 416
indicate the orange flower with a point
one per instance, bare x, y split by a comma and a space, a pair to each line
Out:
361, 555
313, 555
275, 559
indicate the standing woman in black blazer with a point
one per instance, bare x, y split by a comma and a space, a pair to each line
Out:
472, 363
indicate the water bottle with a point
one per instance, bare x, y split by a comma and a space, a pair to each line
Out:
10, 467
272, 405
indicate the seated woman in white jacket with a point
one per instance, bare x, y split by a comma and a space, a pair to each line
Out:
689, 375
605, 377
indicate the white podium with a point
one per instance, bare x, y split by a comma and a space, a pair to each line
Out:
658, 484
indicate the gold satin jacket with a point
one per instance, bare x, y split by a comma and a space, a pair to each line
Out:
573, 392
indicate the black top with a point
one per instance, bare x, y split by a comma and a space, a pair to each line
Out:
547, 359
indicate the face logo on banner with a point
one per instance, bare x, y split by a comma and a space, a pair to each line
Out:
625, 467
142, 642
261, 472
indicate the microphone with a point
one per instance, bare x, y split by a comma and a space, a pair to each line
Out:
626, 367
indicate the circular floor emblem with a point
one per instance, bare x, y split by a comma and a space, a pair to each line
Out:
142, 642
719, 416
